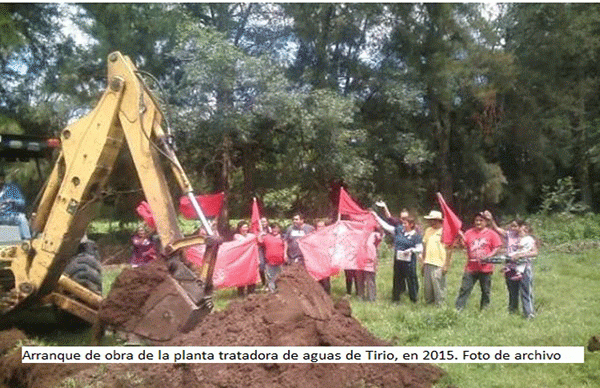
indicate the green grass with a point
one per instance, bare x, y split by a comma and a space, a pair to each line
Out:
566, 288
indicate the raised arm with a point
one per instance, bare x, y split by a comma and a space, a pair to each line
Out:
494, 226
387, 227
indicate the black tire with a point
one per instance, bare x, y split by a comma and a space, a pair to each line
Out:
86, 270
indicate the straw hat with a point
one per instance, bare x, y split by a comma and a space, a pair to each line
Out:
434, 215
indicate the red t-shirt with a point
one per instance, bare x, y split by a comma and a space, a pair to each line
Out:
479, 245
274, 249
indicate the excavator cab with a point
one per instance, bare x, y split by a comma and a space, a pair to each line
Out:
32, 272
16, 152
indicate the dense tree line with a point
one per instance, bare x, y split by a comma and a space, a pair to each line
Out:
287, 102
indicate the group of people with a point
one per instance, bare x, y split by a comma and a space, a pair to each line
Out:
482, 242
278, 248
412, 247
272, 252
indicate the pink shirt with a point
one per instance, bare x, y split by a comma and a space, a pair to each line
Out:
479, 245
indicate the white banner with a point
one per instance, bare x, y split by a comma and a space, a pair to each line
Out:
302, 354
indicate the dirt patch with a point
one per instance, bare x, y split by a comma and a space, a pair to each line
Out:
15, 374
9, 339
130, 290
113, 251
299, 314
594, 343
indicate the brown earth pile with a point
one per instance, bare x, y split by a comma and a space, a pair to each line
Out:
129, 292
299, 314
13, 373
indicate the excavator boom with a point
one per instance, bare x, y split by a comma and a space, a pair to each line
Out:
128, 115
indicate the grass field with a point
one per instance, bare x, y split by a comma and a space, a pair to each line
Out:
566, 288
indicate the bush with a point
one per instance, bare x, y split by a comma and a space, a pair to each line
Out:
562, 198
564, 227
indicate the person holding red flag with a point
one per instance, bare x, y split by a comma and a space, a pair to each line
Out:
243, 233
257, 226
408, 243
435, 260
144, 247
275, 249
297, 230
481, 243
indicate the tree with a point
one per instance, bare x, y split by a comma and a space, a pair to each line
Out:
557, 46
246, 115
32, 49
447, 51
333, 40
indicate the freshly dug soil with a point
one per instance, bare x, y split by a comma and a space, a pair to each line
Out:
299, 314
15, 374
121, 307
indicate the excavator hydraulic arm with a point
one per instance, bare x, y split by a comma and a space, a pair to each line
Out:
128, 114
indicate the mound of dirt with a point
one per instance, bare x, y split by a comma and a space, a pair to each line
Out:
594, 343
129, 292
9, 339
299, 314
15, 374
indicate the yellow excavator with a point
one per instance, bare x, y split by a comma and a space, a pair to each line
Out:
32, 271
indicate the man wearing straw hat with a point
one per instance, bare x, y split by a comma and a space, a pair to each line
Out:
435, 260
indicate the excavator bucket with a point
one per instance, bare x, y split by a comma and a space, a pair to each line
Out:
157, 301
168, 311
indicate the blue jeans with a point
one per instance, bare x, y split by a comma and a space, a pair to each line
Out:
18, 219
272, 271
468, 282
524, 289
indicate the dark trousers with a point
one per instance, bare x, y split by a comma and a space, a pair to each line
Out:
350, 278
405, 277
246, 290
468, 282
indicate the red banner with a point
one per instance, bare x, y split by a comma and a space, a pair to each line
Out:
210, 204
349, 208
452, 223
143, 210
237, 262
195, 254
343, 245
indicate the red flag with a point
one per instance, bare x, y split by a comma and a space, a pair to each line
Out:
210, 204
144, 211
195, 254
237, 264
255, 225
452, 223
348, 207
343, 245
